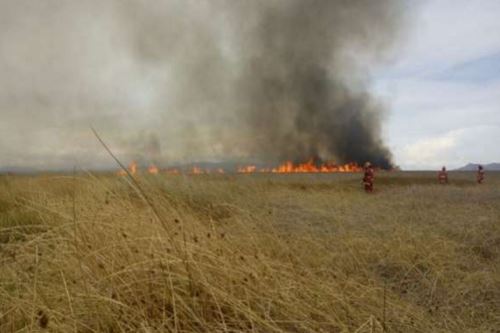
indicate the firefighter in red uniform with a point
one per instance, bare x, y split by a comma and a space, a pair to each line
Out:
480, 174
443, 176
368, 177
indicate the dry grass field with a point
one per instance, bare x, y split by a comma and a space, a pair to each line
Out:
249, 253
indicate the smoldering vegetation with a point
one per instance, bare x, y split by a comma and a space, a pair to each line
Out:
216, 80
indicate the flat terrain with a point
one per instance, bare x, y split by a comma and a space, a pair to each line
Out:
249, 253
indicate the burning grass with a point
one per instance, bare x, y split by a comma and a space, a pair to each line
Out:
311, 166
249, 253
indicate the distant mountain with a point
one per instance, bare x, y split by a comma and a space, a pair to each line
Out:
487, 167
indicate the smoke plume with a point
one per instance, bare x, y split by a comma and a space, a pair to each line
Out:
304, 86
183, 80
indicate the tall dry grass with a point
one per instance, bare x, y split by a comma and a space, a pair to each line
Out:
258, 253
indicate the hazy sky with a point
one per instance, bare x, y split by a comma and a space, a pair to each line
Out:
441, 88
444, 88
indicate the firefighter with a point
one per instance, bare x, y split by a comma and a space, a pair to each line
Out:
443, 176
480, 174
368, 177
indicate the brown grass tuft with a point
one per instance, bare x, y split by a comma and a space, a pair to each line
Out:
289, 253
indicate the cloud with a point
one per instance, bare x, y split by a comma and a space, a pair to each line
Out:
425, 109
481, 70
429, 152
446, 33
444, 88
452, 149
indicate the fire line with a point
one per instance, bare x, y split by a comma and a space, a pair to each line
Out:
284, 168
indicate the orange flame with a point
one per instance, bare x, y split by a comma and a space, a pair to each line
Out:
197, 171
132, 169
247, 169
153, 169
286, 167
311, 167
307, 167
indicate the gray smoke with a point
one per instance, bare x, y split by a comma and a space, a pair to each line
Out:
184, 80
303, 86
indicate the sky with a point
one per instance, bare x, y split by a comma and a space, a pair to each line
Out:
443, 87
440, 86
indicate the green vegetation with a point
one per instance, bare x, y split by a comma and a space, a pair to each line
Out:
249, 253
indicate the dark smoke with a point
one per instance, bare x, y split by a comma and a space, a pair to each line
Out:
301, 101
288, 76
175, 81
